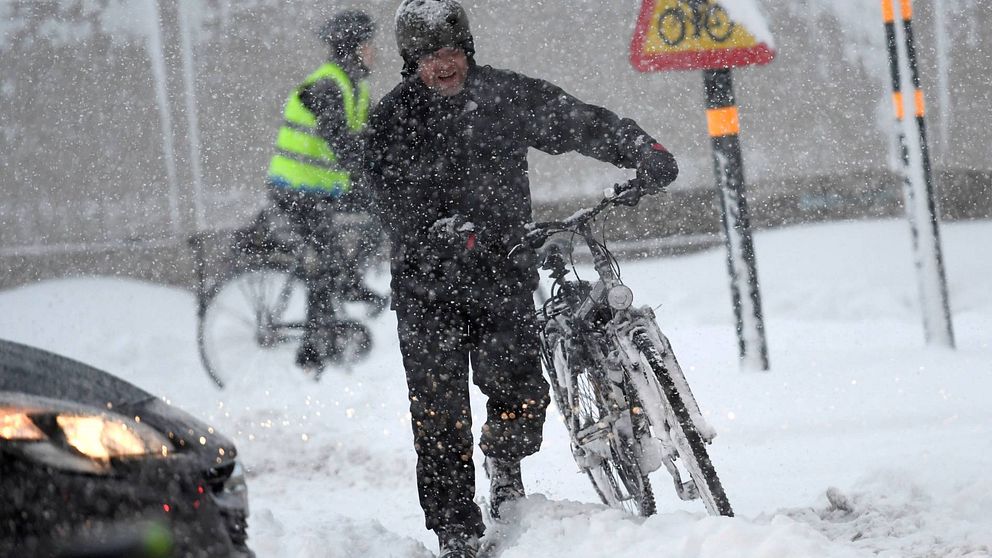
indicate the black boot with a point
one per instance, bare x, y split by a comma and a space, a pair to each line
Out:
505, 484
456, 542
310, 356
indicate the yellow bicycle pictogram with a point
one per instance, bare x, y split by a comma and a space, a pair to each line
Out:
693, 25
698, 16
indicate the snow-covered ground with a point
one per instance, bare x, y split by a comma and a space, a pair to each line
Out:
900, 434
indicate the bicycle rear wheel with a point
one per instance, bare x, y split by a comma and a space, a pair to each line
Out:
607, 456
659, 366
251, 325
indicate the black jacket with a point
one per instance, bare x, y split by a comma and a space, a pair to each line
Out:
431, 157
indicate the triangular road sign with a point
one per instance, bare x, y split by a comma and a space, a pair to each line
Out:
693, 35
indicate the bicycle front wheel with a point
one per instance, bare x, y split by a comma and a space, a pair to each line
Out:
662, 373
603, 449
251, 325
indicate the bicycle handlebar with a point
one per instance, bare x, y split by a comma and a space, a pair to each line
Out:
618, 194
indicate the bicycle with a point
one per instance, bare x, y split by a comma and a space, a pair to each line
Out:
252, 315
702, 14
624, 399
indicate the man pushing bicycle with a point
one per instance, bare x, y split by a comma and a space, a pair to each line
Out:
447, 163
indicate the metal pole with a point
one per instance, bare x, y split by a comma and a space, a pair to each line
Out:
943, 77
918, 186
192, 118
156, 53
724, 130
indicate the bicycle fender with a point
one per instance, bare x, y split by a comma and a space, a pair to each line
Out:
643, 319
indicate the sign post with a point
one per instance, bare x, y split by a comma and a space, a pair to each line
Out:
724, 127
918, 187
700, 35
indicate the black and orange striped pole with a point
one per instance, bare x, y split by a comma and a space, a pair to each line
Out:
724, 128
918, 184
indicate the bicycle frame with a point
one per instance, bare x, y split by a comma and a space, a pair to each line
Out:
274, 332
595, 301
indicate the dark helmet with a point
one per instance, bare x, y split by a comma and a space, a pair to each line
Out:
346, 30
424, 26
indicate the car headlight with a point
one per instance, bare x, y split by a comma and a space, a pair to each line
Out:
77, 433
102, 437
17, 425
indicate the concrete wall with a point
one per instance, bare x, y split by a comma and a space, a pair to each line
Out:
126, 125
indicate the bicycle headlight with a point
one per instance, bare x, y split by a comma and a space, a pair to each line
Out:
620, 297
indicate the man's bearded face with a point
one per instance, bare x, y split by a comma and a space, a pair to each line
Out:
444, 71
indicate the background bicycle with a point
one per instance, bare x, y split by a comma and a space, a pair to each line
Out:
626, 403
254, 292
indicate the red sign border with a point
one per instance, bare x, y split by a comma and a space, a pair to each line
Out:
690, 60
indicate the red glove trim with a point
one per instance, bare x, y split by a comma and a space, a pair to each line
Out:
470, 241
658, 147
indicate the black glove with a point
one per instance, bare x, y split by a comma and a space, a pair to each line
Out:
656, 169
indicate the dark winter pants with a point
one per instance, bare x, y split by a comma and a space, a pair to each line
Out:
438, 342
322, 223
312, 218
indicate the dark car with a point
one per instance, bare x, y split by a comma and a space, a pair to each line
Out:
90, 465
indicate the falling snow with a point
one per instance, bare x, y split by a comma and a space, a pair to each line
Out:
129, 125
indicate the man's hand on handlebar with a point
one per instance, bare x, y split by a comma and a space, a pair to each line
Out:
628, 194
656, 170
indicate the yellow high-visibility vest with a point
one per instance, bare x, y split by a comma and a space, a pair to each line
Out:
303, 160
